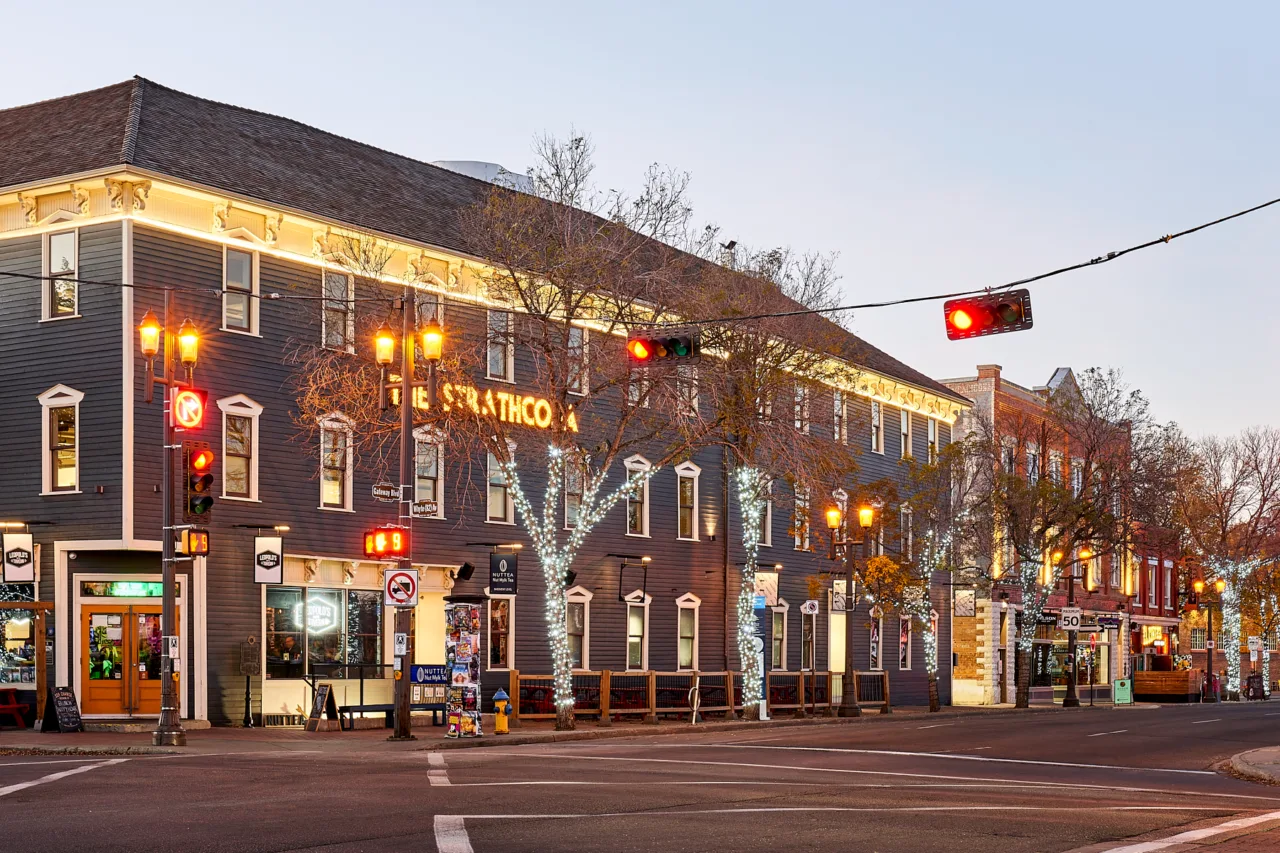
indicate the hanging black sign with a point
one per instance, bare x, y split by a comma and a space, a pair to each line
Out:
61, 711
502, 574
323, 704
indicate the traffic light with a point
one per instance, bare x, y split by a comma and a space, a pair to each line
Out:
194, 541
990, 314
384, 542
648, 347
199, 464
186, 407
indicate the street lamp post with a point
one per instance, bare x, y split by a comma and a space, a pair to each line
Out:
384, 347
1072, 699
842, 544
168, 731
1219, 585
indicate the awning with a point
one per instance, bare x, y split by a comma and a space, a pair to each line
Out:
1154, 620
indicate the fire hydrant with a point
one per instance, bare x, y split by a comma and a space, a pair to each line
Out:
501, 711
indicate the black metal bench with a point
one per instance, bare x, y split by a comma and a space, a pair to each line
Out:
347, 713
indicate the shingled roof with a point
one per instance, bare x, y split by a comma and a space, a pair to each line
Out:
274, 160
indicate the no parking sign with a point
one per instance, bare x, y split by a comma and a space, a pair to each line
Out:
401, 588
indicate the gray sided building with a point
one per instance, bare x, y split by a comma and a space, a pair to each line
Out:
108, 196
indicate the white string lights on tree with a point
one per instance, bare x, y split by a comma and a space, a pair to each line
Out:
1233, 574
752, 498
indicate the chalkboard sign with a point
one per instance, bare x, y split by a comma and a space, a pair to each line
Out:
323, 703
250, 657
61, 711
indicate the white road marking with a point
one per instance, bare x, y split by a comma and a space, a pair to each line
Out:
435, 759
1197, 834
979, 748
1116, 732
53, 777
54, 761
902, 753
1214, 720
437, 775
935, 726
770, 809
451, 835
897, 774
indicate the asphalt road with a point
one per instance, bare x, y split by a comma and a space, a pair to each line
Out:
1097, 779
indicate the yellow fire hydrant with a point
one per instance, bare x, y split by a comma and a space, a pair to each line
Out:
501, 711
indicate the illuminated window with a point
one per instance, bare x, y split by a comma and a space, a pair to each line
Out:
687, 631
687, 500
338, 317
239, 447
905, 428
428, 470
329, 633
502, 614
637, 496
61, 295
840, 418
501, 346
638, 630
61, 412
877, 428
501, 506
335, 463
239, 285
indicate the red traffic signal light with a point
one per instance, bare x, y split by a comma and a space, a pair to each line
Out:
383, 542
989, 314
199, 486
194, 541
186, 407
647, 347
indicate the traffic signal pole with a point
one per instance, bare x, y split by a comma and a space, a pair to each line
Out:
168, 730
408, 339
1070, 699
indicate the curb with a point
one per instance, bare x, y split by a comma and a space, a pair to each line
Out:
88, 750
609, 733
1241, 767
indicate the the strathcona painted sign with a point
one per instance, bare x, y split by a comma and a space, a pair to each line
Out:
506, 406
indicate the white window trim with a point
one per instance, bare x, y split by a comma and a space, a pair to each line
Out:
801, 404
687, 470
801, 534
910, 638
877, 663
57, 397
488, 631
582, 595
839, 418
586, 362
509, 346
573, 461
633, 464
254, 331
637, 598
511, 501
687, 375
1033, 462
339, 422
46, 283
766, 519
241, 406
431, 436
1153, 574
933, 439
785, 609
324, 299
877, 427
688, 601
813, 641
904, 419
906, 530
1167, 571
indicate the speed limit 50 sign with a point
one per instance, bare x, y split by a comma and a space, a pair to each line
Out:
1069, 618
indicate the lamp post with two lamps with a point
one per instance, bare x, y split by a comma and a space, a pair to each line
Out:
842, 546
384, 354
1199, 586
1072, 699
169, 731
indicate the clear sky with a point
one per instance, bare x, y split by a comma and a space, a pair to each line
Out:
935, 147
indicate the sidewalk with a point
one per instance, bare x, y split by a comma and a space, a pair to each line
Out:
1258, 765
225, 740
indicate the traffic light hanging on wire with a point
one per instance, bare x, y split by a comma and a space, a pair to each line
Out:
989, 314
653, 346
199, 486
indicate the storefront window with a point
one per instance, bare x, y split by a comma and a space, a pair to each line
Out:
500, 633
17, 646
340, 631
1049, 657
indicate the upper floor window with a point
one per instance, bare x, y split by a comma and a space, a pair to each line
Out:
239, 447
501, 505
1077, 477
60, 407
577, 358
428, 470
800, 523
1055, 467
574, 482
1115, 572
1197, 638
61, 292
501, 347
877, 427
905, 428
839, 418
637, 496
1168, 585
239, 285
687, 500
1033, 463
906, 529
933, 439
1151, 581
687, 390
335, 463
1009, 455
638, 387
766, 518
801, 407
339, 318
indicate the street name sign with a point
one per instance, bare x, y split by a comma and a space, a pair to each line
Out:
424, 509
386, 492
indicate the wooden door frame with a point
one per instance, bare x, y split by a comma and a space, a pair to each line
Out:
42, 609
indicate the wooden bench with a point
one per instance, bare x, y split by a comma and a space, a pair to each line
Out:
347, 713
1167, 686
11, 707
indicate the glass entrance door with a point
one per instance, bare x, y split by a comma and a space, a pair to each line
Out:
120, 660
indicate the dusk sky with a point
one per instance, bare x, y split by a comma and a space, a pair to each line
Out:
935, 148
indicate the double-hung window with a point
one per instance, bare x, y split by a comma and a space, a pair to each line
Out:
62, 291
839, 418
906, 530
638, 630
502, 611
1077, 477
808, 639
877, 427
1033, 463
238, 287
60, 410
639, 386
637, 468
1116, 568
905, 422
1151, 581
687, 631
766, 518
239, 447
778, 636
501, 346
501, 509
428, 470
801, 406
574, 482
687, 500
578, 626
335, 463
578, 377
1168, 585
687, 390
933, 439
339, 318
1055, 468
800, 523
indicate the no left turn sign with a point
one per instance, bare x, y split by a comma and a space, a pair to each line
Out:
401, 588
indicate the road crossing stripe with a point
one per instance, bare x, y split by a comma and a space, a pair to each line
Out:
1196, 834
451, 835
53, 777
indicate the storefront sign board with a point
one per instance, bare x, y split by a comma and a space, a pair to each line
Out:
1122, 691
503, 574
19, 558
61, 711
268, 559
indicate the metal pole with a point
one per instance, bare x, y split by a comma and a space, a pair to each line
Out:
1209, 694
1071, 700
408, 311
848, 698
168, 730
